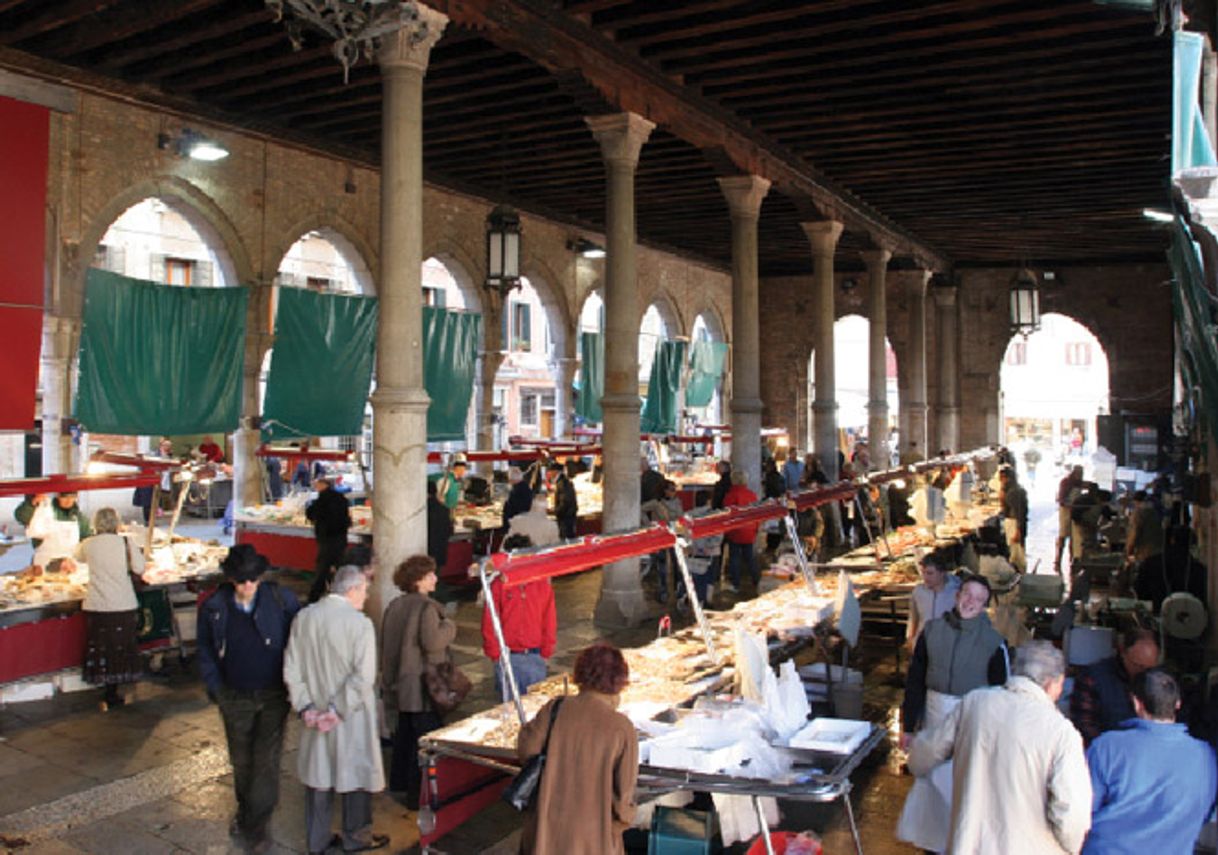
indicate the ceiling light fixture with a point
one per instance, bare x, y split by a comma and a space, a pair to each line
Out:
1155, 215
586, 248
191, 144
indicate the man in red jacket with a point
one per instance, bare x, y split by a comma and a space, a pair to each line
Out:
740, 540
530, 626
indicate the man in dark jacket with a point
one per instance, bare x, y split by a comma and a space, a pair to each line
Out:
243, 631
439, 527
330, 514
1100, 700
651, 483
520, 496
566, 506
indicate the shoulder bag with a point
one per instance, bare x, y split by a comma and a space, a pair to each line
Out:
522, 791
446, 684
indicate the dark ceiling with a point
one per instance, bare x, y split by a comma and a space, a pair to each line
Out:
983, 131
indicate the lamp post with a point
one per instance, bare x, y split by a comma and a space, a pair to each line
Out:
502, 250
1025, 303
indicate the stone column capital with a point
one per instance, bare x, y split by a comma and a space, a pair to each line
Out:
409, 46
621, 137
744, 194
823, 235
916, 285
876, 259
944, 295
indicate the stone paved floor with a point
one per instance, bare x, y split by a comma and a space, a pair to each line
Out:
152, 777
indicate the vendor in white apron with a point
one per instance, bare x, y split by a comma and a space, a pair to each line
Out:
955, 654
54, 525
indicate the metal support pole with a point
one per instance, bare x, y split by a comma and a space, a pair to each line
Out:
800, 556
156, 505
679, 551
505, 655
854, 829
765, 831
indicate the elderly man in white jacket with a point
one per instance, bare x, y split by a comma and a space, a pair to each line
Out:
1020, 779
330, 671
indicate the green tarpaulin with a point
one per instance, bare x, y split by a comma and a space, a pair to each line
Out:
1190, 144
591, 377
159, 359
321, 365
1195, 322
660, 410
706, 360
450, 353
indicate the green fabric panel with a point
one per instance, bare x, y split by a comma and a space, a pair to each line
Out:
706, 359
321, 365
660, 410
591, 377
1194, 321
160, 359
450, 352
1191, 146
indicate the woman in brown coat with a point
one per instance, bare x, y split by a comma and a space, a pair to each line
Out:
586, 796
416, 633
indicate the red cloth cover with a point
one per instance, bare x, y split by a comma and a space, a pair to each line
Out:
23, 175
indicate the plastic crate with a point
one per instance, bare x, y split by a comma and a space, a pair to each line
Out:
676, 831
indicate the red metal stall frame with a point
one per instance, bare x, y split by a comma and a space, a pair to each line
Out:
76, 483
146, 464
518, 568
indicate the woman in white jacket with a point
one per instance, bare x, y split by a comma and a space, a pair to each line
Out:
112, 655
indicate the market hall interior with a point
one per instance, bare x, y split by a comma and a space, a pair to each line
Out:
675, 178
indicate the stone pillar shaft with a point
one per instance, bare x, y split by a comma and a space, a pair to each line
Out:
621, 137
564, 400
745, 194
59, 338
399, 456
915, 430
485, 406
877, 357
824, 236
948, 345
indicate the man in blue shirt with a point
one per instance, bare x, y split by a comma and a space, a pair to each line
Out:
1153, 785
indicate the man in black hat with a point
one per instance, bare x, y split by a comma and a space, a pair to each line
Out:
243, 632
330, 514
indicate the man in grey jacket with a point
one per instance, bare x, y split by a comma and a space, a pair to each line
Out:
1020, 779
330, 671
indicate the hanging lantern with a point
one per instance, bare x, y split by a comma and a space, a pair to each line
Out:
1025, 303
502, 250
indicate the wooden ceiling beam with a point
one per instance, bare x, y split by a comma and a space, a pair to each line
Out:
117, 25
56, 15
117, 59
561, 43
177, 65
315, 61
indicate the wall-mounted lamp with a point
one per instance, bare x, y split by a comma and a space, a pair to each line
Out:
191, 144
1025, 303
502, 250
585, 248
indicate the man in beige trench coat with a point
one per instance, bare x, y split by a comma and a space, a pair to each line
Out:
330, 671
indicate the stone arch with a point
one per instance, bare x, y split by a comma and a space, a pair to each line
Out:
558, 316
859, 409
465, 269
345, 237
713, 318
667, 307
196, 207
592, 292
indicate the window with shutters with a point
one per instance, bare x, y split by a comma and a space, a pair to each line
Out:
522, 327
1078, 353
179, 271
1017, 353
433, 297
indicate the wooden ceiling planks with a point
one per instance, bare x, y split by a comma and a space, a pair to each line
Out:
991, 130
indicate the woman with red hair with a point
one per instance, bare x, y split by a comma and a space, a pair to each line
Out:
586, 796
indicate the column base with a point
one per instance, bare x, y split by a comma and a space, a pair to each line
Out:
621, 607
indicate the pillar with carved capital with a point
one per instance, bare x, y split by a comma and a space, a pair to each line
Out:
823, 236
59, 338
745, 194
399, 405
877, 357
564, 400
621, 137
947, 345
913, 405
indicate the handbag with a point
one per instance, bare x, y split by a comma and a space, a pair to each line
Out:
446, 685
522, 790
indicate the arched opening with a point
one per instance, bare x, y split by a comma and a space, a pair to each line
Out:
323, 260
1054, 384
851, 369
526, 394
446, 285
706, 328
592, 315
652, 330
161, 240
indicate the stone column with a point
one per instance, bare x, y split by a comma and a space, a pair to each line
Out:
59, 338
247, 468
621, 136
744, 196
914, 432
564, 400
485, 406
399, 405
947, 413
823, 236
877, 357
